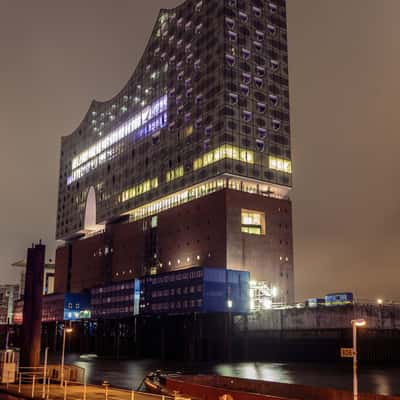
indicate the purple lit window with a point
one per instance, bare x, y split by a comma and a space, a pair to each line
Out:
230, 59
271, 29
246, 78
261, 107
260, 145
262, 132
273, 100
258, 82
247, 116
246, 54
276, 124
243, 16
244, 89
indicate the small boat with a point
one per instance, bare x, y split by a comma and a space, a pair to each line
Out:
155, 382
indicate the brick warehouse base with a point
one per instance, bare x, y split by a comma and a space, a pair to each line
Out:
206, 232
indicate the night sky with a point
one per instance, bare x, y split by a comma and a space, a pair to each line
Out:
344, 56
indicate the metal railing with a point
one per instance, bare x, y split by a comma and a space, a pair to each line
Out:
34, 383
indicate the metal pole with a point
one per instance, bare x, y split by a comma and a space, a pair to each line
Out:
355, 381
106, 392
132, 395
48, 387
84, 384
65, 390
19, 383
45, 372
62, 358
33, 386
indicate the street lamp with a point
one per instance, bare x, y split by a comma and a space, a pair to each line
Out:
66, 330
356, 323
379, 301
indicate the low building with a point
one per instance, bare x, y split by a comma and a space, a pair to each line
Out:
59, 307
48, 277
195, 290
118, 300
8, 294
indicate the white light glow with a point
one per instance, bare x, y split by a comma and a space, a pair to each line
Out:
150, 119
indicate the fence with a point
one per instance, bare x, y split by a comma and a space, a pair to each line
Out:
41, 383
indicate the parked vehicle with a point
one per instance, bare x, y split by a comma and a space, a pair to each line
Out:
315, 302
339, 299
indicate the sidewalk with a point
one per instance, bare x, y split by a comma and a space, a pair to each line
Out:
75, 391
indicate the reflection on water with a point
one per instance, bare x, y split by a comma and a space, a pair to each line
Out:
130, 373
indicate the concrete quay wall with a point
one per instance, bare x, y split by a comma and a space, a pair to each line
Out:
386, 317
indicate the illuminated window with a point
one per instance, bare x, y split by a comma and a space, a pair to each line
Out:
223, 152
253, 222
140, 189
280, 164
189, 130
147, 121
174, 173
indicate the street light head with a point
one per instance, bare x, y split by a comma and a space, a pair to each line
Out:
359, 322
68, 330
379, 301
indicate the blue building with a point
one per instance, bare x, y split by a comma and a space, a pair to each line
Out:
62, 307
198, 289
117, 300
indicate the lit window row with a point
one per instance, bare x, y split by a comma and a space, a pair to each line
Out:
176, 305
140, 189
253, 222
174, 173
150, 119
223, 152
280, 164
198, 191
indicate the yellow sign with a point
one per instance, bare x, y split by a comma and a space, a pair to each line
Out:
346, 352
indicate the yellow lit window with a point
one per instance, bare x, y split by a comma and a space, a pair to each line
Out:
280, 164
188, 130
174, 173
253, 222
140, 189
223, 152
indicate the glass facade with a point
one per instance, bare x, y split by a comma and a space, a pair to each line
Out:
208, 98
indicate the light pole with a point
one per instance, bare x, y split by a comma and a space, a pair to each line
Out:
65, 331
356, 323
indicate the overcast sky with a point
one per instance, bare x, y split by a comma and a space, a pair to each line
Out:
344, 56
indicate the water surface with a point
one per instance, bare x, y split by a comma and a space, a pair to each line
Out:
129, 374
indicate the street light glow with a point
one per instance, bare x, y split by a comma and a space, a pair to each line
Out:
379, 301
359, 322
68, 330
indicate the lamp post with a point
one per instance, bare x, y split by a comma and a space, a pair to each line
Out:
357, 323
65, 331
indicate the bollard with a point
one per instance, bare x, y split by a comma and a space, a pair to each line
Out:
33, 386
65, 389
106, 384
19, 383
